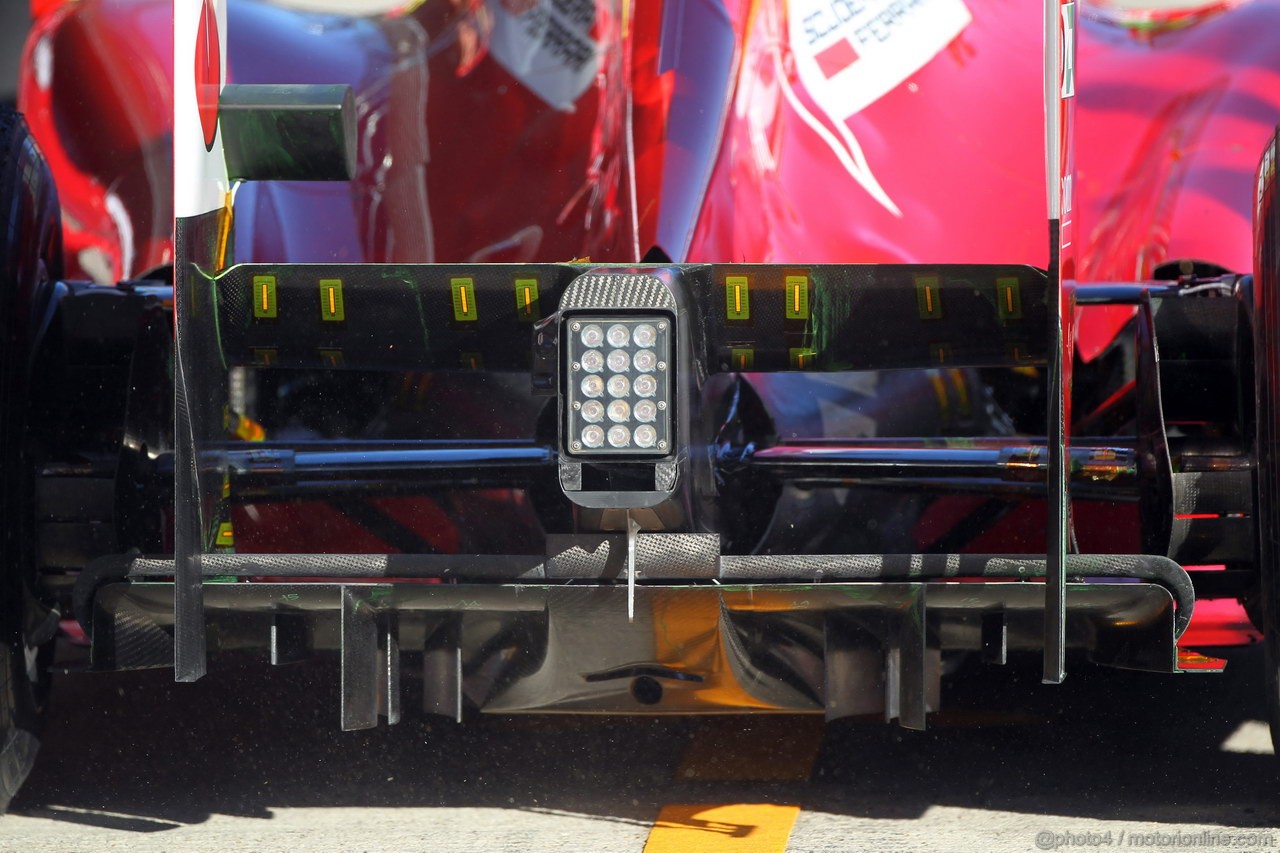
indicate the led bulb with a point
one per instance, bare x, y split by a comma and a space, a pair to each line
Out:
618, 335
618, 386
646, 436
593, 386
619, 411
619, 361
646, 411
593, 436
592, 335
593, 411
592, 361
645, 361
619, 436
645, 385
644, 335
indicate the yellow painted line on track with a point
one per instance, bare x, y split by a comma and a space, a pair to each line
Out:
732, 828
774, 748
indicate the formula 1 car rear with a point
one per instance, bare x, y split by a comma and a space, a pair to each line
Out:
632, 486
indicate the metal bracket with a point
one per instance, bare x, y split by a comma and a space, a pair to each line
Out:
442, 672
370, 660
1156, 499
995, 637
853, 683
290, 638
906, 667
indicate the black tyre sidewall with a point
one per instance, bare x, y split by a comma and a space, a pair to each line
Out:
30, 265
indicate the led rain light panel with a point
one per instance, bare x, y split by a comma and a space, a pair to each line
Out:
619, 388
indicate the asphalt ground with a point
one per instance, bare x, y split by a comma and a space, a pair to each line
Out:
251, 758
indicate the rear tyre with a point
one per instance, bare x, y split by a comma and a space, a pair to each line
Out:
30, 264
21, 716
1266, 372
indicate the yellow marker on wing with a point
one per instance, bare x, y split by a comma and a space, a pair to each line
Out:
928, 297
737, 295
1009, 298
802, 358
527, 299
264, 303
797, 289
463, 291
332, 307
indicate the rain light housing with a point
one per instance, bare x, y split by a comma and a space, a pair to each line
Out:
611, 355
619, 385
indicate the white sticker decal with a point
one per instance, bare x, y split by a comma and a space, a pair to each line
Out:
548, 46
850, 53
1068, 50
199, 70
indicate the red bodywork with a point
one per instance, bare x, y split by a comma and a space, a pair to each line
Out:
696, 136
1169, 124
